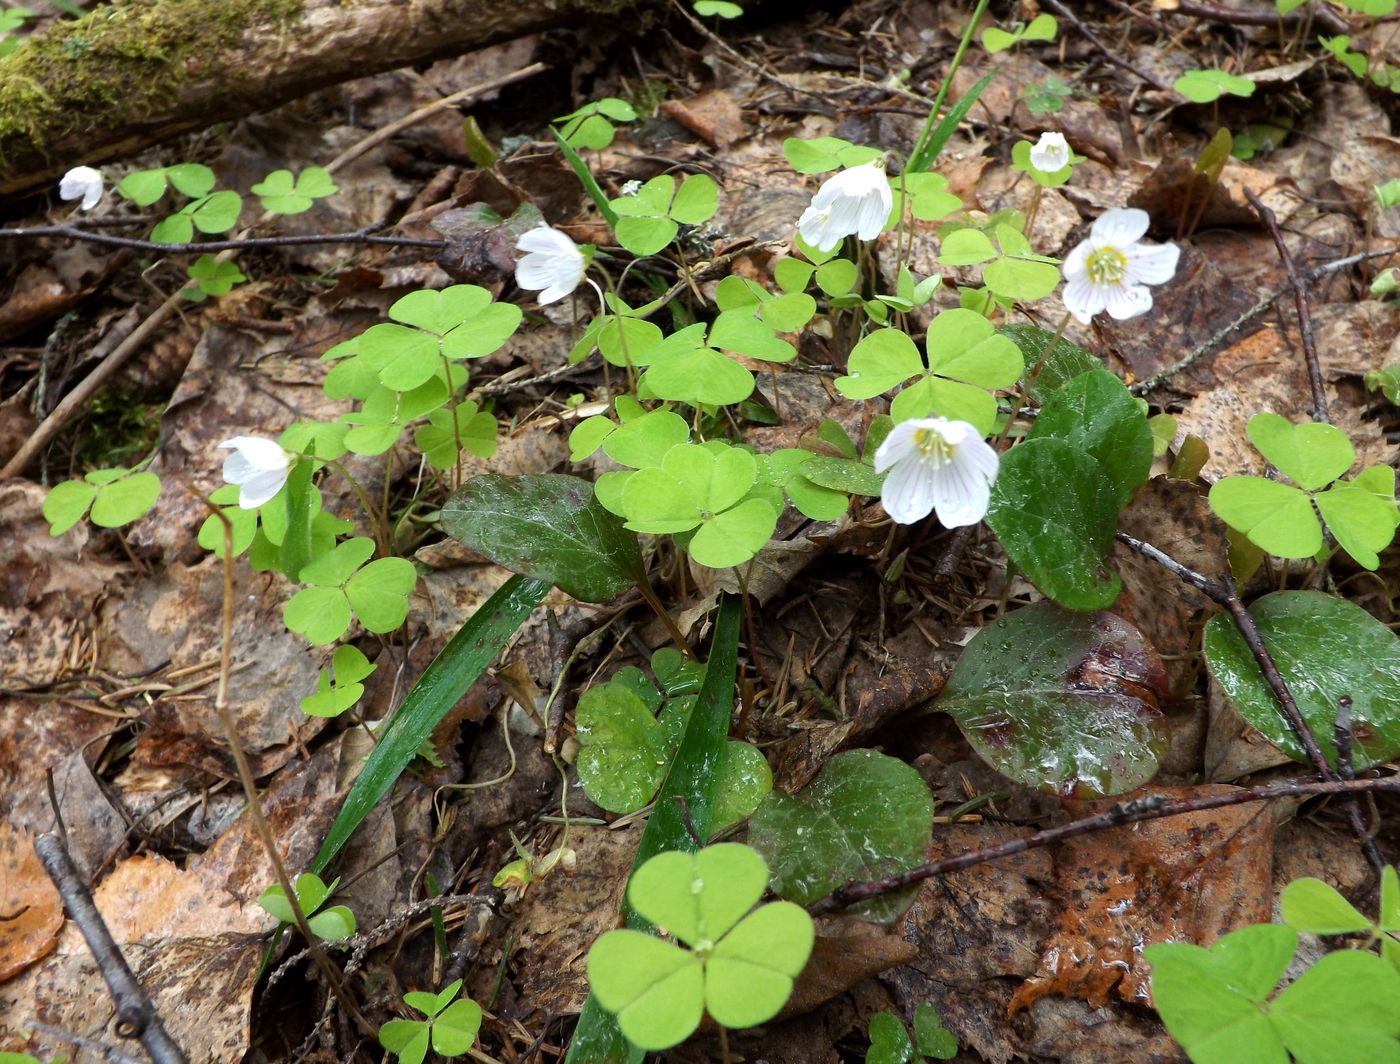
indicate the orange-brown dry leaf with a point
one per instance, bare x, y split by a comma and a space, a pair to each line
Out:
32, 911
1191, 878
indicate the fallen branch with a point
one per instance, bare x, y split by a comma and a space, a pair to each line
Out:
136, 1013
77, 232
1153, 807
1319, 15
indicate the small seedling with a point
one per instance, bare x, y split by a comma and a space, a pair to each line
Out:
333, 924
450, 1026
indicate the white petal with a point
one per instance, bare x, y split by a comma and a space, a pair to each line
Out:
898, 445
816, 229
874, 211
1120, 227
548, 240
1081, 298
1152, 263
907, 493
260, 487
84, 182
1050, 153
1128, 301
980, 457
965, 510
1075, 260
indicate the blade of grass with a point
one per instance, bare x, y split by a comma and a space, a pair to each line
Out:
444, 681
922, 158
586, 179
597, 1039
950, 122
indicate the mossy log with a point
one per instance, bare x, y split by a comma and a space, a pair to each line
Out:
138, 71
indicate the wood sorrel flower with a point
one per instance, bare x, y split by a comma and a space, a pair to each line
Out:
1050, 154
1113, 267
258, 466
553, 266
81, 182
936, 464
855, 202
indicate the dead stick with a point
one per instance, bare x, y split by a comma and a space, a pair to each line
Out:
1320, 14
1108, 53
358, 236
1152, 807
102, 1049
136, 1013
1223, 593
1300, 300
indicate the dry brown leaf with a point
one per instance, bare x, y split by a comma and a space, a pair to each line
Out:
33, 911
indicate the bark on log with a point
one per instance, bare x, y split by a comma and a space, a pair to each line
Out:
131, 74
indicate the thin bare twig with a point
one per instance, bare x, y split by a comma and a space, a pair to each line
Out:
92, 1045
136, 1013
1224, 594
1108, 53
1322, 16
358, 236
1212, 342
1152, 807
1300, 300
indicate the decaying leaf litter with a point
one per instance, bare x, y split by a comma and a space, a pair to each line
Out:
849, 628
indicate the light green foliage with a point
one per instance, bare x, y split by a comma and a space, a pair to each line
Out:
1279, 518
740, 968
450, 431
1047, 97
450, 1025
1327, 649
340, 582
339, 687
1318, 908
591, 126
1375, 8
966, 357
1205, 86
144, 187
11, 21
1012, 269
116, 497
687, 366
1259, 137
719, 8
783, 313
650, 218
820, 155
1340, 49
282, 194
548, 526
1041, 28
1217, 1002
1388, 194
1017, 696
890, 1042
1386, 380
212, 278
865, 816
928, 195
215, 213
626, 749
333, 924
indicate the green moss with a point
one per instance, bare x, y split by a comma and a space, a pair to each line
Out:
112, 67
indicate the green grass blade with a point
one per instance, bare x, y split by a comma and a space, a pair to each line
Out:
443, 682
939, 137
586, 179
597, 1039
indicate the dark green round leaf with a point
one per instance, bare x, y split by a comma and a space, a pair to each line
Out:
1020, 695
1055, 513
1096, 413
865, 816
1326, 649
547, 526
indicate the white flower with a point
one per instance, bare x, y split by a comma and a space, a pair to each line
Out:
259, 467
1050, 154
936, 464
1112, 269
855, 202
554, 265
82, 181
631, 188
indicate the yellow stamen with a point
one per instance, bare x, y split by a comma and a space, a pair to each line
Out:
1106, 265
931, 444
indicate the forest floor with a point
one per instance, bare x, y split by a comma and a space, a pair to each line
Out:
112, 639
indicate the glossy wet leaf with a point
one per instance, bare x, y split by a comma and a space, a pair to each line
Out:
1326, 649
1096, 413
1020, 697
865, 815
1055, 513
1058, 364
547, 526
889, 1041
931, 1038
623, 753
